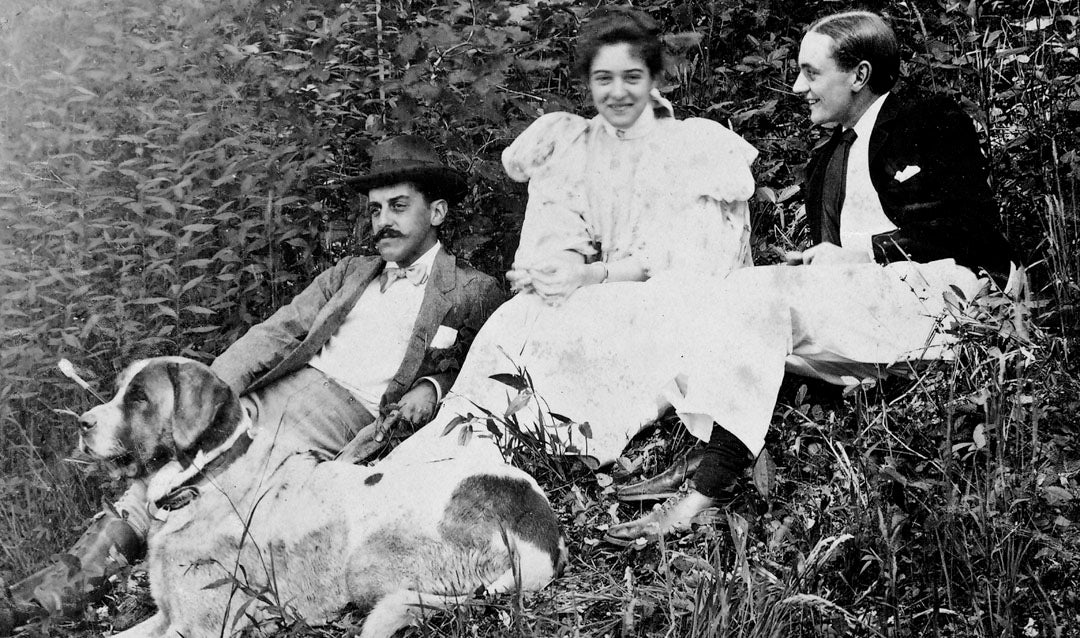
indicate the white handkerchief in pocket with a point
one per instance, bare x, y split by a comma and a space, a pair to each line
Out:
444, 337
907, 173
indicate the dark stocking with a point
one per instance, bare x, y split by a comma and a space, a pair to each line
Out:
724, 461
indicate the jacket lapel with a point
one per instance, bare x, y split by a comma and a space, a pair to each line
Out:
334, 312
327, 321
436, 303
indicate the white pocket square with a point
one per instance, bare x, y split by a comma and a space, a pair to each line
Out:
907, 173
444, 337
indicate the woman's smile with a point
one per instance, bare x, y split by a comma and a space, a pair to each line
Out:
620, 84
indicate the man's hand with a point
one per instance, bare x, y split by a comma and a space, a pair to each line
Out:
826, 253
415, 408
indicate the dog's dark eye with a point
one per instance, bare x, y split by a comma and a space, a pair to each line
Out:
135, 394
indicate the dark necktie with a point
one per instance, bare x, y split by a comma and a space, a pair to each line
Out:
415, 273
832, 192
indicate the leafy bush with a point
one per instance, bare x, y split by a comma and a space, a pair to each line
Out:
173, 170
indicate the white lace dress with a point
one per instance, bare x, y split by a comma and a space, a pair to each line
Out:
671, 193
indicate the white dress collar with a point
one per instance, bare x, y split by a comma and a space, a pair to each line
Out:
640, 128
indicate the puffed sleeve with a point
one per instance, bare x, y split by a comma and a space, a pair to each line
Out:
709, 175
550, 155
719, 160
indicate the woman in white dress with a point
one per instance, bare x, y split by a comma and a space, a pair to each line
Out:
630, 214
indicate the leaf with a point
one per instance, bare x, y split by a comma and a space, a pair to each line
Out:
1038, 24
1055, 494
197, 330
198, 310
764, 474
519, 402
454, 422
893, 474
241, 611
517, 14
956, 290
788, 192
515, 381
683, 40
800, 394
979, 437
221, 582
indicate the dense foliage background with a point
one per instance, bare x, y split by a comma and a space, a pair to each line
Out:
172, 170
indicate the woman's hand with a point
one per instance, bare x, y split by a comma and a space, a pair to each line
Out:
520, 279
556, 279
826, 253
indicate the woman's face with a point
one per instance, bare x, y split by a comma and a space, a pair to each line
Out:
620, 84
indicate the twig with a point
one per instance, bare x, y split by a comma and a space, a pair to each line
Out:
379, 52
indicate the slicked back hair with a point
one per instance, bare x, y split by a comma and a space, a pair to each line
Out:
620, 25
863, 35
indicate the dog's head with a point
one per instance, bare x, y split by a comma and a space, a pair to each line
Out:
165, 408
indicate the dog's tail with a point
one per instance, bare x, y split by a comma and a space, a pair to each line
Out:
405, 607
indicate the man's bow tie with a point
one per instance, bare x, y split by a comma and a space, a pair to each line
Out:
415, 273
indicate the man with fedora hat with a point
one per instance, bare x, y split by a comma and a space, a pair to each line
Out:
369, 344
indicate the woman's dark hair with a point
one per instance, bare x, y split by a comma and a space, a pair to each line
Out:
619, 25
862, 35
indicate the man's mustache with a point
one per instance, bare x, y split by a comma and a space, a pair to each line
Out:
387, 233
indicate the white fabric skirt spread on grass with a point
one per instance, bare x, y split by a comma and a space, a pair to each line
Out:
616, 356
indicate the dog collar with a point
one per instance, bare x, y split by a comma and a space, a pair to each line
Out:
177, 492
179, 498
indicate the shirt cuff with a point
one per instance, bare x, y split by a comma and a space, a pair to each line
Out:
863, 242
432, 381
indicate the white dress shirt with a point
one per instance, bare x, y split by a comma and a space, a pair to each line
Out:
366, 351
862, 216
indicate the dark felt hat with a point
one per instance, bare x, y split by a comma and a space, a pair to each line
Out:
410, 158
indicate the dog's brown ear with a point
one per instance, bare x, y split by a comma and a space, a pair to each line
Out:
206, 411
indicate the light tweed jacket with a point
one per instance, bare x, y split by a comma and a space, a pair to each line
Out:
456, 297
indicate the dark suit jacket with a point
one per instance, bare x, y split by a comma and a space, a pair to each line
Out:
455, 296
944, 210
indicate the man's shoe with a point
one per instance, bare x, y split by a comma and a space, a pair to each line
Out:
663, 485
677, 514
82, 574
14, 613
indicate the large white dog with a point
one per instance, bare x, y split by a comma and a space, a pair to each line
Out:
245, 516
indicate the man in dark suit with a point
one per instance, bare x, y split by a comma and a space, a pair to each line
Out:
902, 222
371, 339
914, 186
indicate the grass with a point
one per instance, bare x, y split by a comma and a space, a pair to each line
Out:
943, 506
